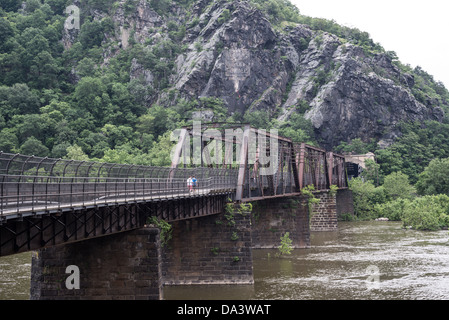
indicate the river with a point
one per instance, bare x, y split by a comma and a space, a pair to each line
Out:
362, 260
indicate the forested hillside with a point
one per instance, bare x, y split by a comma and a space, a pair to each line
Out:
116, 87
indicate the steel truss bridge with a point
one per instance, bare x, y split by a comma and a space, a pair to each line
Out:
45, 201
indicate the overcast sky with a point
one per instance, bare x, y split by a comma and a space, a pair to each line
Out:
416, 30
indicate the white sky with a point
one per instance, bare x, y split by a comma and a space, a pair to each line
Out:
416, 30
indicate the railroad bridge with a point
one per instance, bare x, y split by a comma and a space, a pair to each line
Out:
87, 223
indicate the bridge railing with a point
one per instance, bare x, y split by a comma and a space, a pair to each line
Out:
33, 184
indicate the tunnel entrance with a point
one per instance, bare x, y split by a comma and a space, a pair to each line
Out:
353, 170
355, 164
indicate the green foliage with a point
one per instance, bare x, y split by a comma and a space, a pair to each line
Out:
91, 34
426, 88
76, 153
225, 15
160, 6
357, 146
259, 119
427, 213
166, 229
366, 196
435, 178
333, 190
393, 210
311, 199
413, 151
278, 10
33, 146
371, 172
397, 186
286, 245
215, 251
298, 129
216, 105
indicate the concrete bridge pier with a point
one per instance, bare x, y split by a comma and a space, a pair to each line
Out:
124, 266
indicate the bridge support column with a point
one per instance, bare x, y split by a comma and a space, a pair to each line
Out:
324, 213
210, 250
126, 265
272, 218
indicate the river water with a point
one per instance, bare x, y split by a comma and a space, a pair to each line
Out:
362, 260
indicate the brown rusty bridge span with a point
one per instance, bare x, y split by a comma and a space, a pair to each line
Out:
45, 202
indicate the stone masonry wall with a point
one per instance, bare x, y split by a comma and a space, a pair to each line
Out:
272, 218
345, 202
210, 250
121, 266
324, 213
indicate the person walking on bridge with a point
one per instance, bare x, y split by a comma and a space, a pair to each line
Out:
190, 184
194, 184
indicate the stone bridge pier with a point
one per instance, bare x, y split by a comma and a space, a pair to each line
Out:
215, 249
125, 266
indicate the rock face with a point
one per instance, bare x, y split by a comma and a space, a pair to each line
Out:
236, 60
232, 52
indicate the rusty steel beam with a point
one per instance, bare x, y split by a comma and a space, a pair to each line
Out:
243, 162
302, 151
330, 167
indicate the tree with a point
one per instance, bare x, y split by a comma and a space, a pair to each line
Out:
6, 31
160, 153
117, 135
366, 196
91, 34
8, 141
371, 172
427, 213
397, 186
91, 95
44, 71
298, 129
356, 146
18, 99
76, 153
435, 178
154, 121
34, 147
259, 119
10, 5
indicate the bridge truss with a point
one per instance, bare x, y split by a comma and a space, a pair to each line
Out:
268, 165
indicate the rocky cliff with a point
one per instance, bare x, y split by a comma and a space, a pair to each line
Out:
233, 52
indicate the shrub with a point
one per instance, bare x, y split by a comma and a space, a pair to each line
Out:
393, 210
366, 196
435, 178
397, 186
286, 244
427, 213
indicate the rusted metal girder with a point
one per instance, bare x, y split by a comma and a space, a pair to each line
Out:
243, 162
